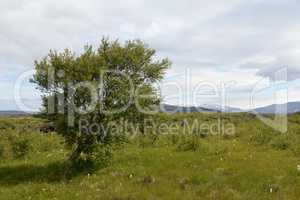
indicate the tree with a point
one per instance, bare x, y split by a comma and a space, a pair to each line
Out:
100, 85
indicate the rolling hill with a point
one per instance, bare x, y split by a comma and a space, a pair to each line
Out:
291, 107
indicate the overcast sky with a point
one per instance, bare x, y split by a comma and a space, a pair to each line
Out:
240, 42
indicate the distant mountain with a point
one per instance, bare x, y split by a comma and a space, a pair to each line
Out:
13, 113
220, 109
183, 109
203, 108
292, 107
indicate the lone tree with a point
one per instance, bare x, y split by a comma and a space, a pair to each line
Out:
110, 83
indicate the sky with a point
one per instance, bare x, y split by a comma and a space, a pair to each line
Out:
241, 44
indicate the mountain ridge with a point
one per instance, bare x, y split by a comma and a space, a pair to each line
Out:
291, 107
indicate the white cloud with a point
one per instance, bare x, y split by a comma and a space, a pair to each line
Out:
289, 61
219, 40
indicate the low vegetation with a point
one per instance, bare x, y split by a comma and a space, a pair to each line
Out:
256, 162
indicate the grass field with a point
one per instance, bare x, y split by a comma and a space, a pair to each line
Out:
255, 163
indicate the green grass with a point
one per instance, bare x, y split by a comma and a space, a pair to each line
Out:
257, 163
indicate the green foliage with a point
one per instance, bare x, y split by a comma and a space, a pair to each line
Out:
233, 168
280, 142
46, 143
98, 157
261, 137
18, 142
20, 146
120, 75
4, 125
119, 141
1, 151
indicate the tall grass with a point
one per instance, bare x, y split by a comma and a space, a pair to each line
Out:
256, 163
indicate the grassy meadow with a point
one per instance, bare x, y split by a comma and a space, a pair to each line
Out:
256, 163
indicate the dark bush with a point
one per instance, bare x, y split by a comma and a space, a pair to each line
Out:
47, 128
280, 143
4, 125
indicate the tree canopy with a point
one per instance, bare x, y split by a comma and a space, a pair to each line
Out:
109, 83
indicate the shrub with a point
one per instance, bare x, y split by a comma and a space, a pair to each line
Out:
97, 157
20, 146
118, 141
114, 69
280, 142
261, 138
4, 125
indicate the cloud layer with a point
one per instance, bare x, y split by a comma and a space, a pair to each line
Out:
218, 40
